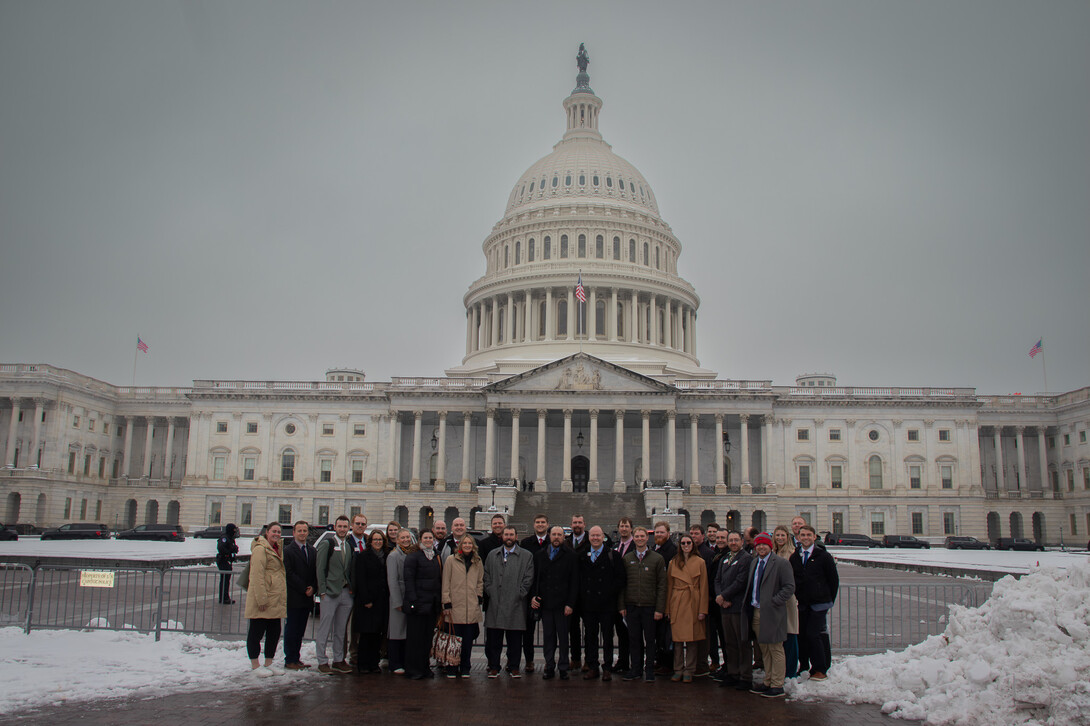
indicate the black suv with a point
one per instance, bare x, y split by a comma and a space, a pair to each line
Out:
211, 532
966, 543
8, 533
904, 540
77, 530
851, 540
160, 532
1018, 543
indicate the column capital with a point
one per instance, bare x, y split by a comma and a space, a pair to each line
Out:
694, 419
542, 412
671, 414
467, 416
1020, 430
850, 422
645, 413
719, 418
897, 423
442, 414
343, 417
490, 412
593, 413
567, 413
767, 418
785, 422
516, 412
418, 415
929, 422
619, 414
819, 422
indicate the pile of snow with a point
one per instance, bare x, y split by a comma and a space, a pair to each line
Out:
1023, 657
50, 667
1015, 563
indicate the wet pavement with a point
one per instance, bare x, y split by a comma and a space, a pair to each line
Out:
477, 701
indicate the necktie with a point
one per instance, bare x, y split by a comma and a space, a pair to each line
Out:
594, 555
805, 556
304, 548
757, 581
639, 556
505, 556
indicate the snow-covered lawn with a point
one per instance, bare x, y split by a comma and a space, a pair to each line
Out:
1016, 563
1023, 657
49, 667
112, 548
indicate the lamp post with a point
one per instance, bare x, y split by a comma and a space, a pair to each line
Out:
667, 488
492, 486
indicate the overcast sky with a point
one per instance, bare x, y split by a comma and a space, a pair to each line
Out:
894, 192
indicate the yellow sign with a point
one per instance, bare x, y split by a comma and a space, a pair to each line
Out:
95, 578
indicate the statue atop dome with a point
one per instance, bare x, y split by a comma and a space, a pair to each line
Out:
582, 81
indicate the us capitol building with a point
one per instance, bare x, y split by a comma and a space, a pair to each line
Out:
559, 405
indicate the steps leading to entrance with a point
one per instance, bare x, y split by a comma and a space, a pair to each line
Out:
603, 509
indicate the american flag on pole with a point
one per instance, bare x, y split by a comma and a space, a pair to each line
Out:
1037, 348
141, 345
580, 293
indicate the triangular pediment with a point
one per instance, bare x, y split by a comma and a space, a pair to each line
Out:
580, 373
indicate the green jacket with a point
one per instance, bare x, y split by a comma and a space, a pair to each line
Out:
335, 573
645, 581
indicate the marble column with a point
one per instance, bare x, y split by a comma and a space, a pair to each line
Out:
634, 330
35, 441
13, 427
147, 446
490, 445
1043, 456
539, 479
653, 311
611, 325
720, 457
766, 449
592, 315
645, 448
618, 475
671, 445
467, 427
550, 315
1000, 482
414, 480
395, 451
667, 334
126, 461
571, 314
515, 413
745, 447
565, 484
494, 320
168, 454
592, 485
469, 331
1022, 484
441, 453
509, 321
528, 322
694, 450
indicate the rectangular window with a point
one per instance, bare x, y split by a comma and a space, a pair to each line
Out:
67, 507
834, 434
221, 427
249, 463
877, 524
218, 465
71, 462
1082, 437
804, 476
838, 522
215, 513
75, 422
327, 429
287, 466
1067, 437
947, 476
251, 427
283, 513
101, 467
917, 523
87, 465
948, 523
327, 470
323, 514
806, 517
944, 434
1086, 477
914, 476
1070, 480
117, 467
913, 434
802, 435
836, 476
1051, 439
359, 430
246, 513
1074, 524
91, 424
105, 428
83, 509
354, 510
98, 510
357, 471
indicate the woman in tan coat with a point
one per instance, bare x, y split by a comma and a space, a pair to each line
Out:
784, 547
686, 606
266, 598
463, 591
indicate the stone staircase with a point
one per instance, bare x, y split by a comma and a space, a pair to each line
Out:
603, 509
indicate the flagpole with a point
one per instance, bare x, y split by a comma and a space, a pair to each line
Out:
580, 336
135, 353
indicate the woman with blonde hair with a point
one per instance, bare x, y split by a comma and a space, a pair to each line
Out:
686, 606
266, 598
463, 592
783, 545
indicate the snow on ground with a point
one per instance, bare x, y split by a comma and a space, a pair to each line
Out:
1016, 563
1023, 657
113, 548
49, 667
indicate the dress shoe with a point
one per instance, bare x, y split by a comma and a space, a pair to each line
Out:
342, 667
676, 678
818, 676
686, 679
548, 674
563, 675
758, 688
294, 666
591, 674
631, 676
606, 675
325, 669
529, 668
773, 693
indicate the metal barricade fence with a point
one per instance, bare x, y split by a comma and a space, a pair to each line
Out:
16, 586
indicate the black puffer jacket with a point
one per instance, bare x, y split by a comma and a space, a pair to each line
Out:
423, 584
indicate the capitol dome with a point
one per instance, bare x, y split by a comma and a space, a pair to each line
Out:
582, 215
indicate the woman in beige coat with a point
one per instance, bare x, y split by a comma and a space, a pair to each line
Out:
783, 546
686, 606
463, 592
266, 598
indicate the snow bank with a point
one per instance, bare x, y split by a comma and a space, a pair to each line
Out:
50, 667
1023, 657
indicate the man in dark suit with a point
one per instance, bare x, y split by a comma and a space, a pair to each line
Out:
357, 542
553, 596
579, 542
601, 583
302, 581
816, 586
624, 544
731, 575
532, 543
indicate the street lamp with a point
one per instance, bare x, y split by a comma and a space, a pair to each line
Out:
435, 439
726, 442
579, 440
492, 486
667, 487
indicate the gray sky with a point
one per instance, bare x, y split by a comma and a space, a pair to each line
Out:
897, 193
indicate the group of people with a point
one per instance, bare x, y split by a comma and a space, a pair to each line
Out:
715, 602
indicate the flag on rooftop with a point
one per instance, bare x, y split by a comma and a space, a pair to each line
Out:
1037, 348
580, 293
141, 345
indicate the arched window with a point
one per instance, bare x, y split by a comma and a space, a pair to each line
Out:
499, 323
595, 180
582, 245
518, 253
631, 250
600, 318
599, 247
547, 248
287, 465
582, 180
874, 466
541, 319
620, 320
567, 180
646, 255
616, 248
563, 246
530, 250
562, 318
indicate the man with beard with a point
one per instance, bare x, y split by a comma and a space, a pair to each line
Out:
553, 597
508, 577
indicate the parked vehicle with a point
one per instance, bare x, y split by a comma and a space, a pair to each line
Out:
8, 533
159, 532
851, 540
966, 543
1018, 543
904, 540
78, 530
25, 529
214, 532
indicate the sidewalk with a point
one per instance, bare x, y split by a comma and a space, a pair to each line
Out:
477, 702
